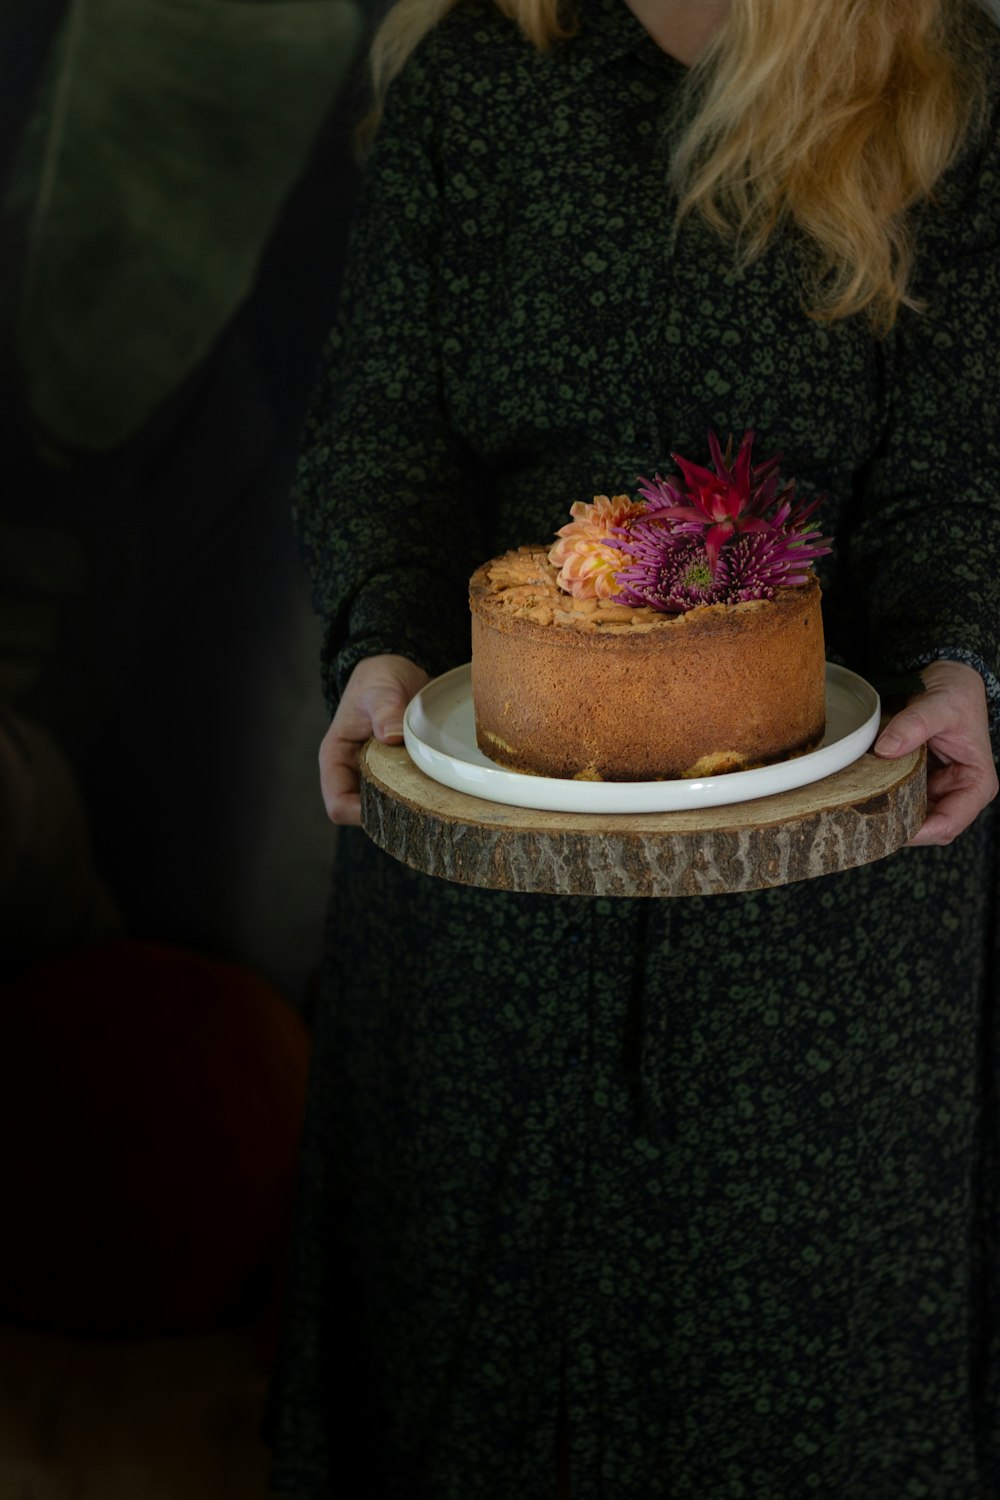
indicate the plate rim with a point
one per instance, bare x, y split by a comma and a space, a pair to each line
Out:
497, 783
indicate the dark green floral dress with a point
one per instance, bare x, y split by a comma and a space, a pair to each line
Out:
720, 1174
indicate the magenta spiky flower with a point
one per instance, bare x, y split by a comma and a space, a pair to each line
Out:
673, 574
754, 566
672, 579
733, 499
724, 538
718, 536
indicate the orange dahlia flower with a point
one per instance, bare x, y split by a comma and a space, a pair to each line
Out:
585, 554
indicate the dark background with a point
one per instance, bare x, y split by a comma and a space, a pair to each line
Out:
176, 183
155, 627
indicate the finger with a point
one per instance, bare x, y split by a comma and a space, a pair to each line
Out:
338, 753
339, 780
389, 729
954, 776
386, 705
345, 810
373, 703
912, 727
946, 777
950, 817
954, 803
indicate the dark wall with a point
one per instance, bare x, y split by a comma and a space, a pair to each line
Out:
154, 623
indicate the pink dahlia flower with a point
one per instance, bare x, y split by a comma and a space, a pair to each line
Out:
586, 554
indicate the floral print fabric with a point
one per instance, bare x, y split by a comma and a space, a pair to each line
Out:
719, 1175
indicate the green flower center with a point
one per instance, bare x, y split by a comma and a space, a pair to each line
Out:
698, 575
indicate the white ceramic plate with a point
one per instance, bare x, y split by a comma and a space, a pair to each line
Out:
439, 729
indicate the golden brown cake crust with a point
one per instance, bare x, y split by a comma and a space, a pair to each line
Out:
599, 691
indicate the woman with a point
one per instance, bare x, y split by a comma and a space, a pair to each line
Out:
685, 1198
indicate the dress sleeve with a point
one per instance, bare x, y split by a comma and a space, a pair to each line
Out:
925, 559
381, 502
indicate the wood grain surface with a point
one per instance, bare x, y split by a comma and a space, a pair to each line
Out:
863, 813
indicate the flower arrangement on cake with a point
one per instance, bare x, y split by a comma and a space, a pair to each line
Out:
676, 634
725, 536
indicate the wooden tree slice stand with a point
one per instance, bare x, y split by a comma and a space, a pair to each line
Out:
860, 814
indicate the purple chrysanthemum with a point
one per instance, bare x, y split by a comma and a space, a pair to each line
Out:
754, 565
715, 536
670, 578
671, 569
731, 500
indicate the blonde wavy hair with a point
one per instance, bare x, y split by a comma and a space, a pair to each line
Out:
835, 117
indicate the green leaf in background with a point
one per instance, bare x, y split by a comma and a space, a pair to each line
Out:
168, 135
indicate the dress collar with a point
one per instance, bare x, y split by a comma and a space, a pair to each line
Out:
607, 30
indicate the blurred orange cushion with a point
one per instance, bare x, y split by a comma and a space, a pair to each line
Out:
150, 1110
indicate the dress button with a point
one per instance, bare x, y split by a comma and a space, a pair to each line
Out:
575, 935
573, 1060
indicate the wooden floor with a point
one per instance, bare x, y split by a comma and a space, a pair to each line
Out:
167, 1419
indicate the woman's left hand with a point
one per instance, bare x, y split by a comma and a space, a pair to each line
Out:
950, 718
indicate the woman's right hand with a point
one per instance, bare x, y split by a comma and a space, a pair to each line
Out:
373, 701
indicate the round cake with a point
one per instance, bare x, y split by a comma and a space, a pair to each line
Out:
598, 690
